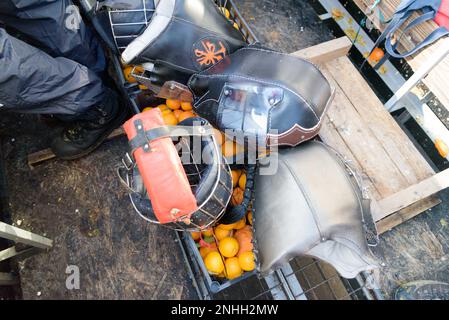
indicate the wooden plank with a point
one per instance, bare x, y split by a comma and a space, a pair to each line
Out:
8, 279
357, 118
47, 154
363, 143
412, 194
326, 51
331, 137
406, 214
19, 235
402, 152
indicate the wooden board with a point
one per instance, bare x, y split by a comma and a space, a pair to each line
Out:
375, 140
436, 81
358, 126
412, 194
406, 214
326, 51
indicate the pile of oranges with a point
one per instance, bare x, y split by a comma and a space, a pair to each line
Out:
227, 249
239, 185
174, 111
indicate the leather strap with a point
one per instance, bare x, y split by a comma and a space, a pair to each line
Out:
143, 138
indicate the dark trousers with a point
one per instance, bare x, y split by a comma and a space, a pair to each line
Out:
55, 66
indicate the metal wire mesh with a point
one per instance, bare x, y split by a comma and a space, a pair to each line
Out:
127, 24
302, 279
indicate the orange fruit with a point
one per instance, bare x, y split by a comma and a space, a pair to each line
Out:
442, 148
195, 235
235, 177
204, 251
214, 263
242, 181
240, 224
237, 197
244, 237
226, 226
219, 136
233, 269
186, 106
228, 247
163, 107
169, 119
186, 115
146, 109
376, 55
127, 73
246, 261
249, 216
221, 233
228, 148
173, 104
177, 113
208, 233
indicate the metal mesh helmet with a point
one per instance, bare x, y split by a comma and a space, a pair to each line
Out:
209, 178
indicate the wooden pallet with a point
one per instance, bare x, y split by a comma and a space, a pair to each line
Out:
357, 125
436, 80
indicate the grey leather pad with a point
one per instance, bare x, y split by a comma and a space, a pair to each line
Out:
313, 207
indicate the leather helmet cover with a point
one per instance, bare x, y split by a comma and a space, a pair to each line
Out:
278, 98
186, 36
311, 206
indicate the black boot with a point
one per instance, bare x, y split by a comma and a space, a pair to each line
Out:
84, 136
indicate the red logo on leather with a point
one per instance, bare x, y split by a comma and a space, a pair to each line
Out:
208, 52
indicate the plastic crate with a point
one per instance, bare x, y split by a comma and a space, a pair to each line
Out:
213, 285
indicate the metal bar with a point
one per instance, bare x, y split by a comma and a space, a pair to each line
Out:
23, 236
285, 285
274, 287
375, 287
293, 282
366, 292
13, 253
189, 269
8, 279
325, 16
421, 73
